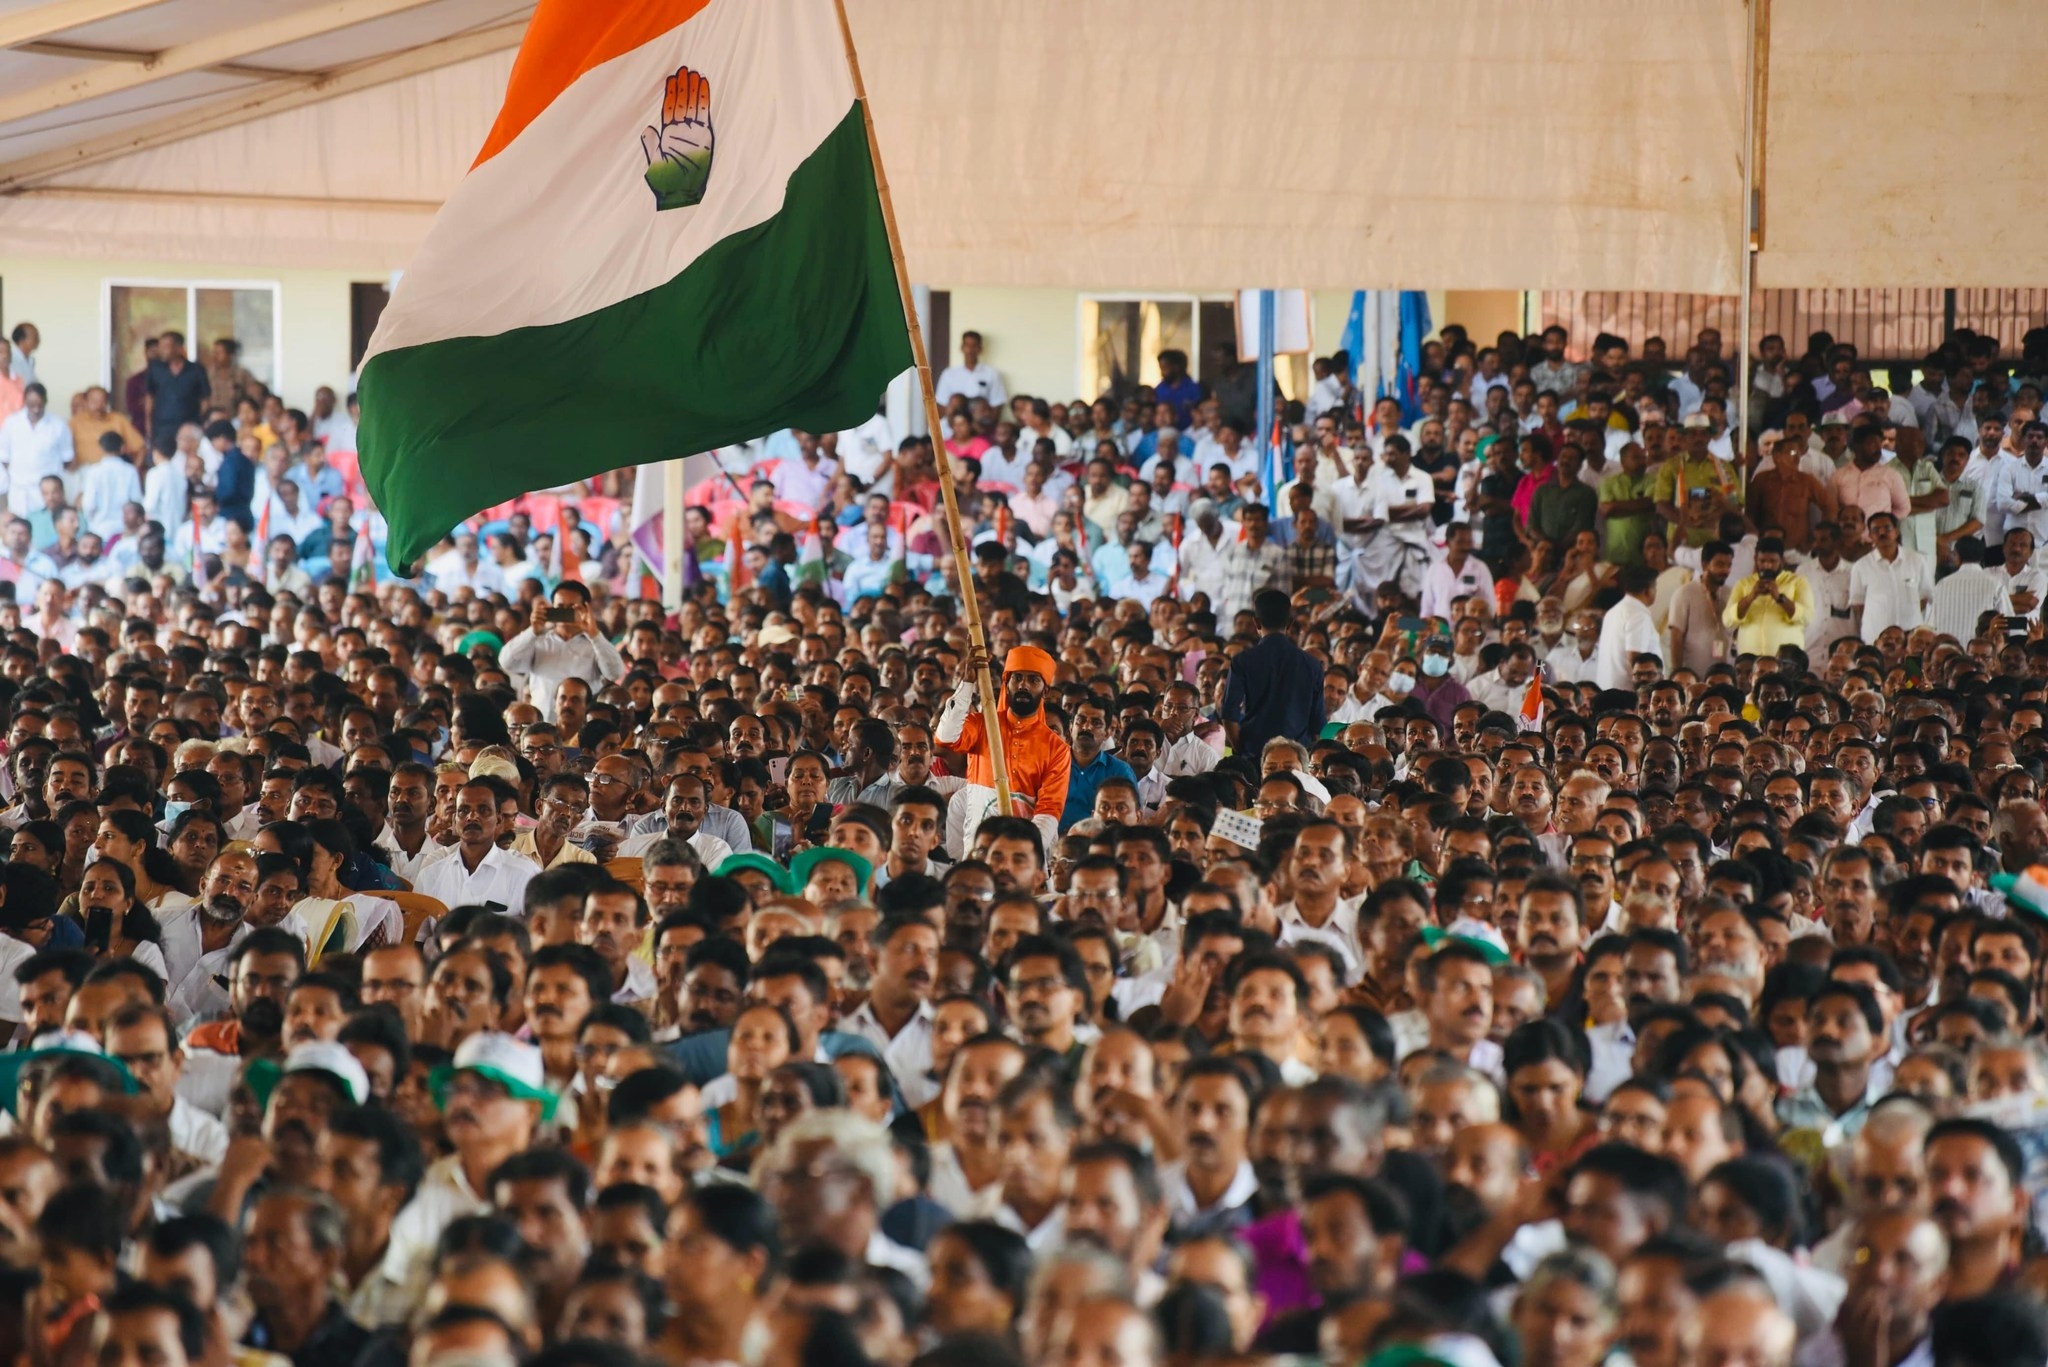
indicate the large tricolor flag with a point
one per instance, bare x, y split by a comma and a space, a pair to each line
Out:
670, 242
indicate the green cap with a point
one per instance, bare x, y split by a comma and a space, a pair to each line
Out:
760, 863
801, 866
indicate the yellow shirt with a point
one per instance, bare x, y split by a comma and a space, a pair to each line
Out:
523, 843
1767, 627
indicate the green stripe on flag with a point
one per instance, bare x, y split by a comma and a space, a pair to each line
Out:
794, 322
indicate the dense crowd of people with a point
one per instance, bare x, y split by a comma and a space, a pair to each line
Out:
1538, 869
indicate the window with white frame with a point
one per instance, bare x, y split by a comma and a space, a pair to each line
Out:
243, 313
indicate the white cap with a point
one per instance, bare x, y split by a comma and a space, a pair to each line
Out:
510, 1061
326, 1056
76, 1041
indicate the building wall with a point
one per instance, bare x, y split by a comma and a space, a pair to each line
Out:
64, 298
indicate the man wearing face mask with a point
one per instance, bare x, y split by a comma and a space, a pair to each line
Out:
1439, 693
1039, 762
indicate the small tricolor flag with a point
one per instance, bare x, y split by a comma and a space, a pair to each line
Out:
1531, 717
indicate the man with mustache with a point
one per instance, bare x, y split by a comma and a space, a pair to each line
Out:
260, 971
614, 920
967, 1164
897, 1016
1110, 1199
1974, 1171
1844, 1037
1209, 1190
1267, 993
1356, 1230
1551, 929
1038, 760
316, 1081
563, 983
196, 939
1457, 1002
141, 1038
476, 872
493, 1098
1319, 912
1897, 1275
1049, 996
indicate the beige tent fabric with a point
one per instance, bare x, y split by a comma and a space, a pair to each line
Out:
1326, 144
1894, 154
349, 183
1210, 144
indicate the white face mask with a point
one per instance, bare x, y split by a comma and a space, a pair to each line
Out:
1400, 684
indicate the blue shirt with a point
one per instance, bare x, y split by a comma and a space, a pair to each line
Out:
1086, 780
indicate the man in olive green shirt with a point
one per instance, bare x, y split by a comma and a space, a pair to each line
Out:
1627, 502
1694, 488
1565, 506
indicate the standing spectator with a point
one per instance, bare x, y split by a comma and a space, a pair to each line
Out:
1865, 482
549, 651
176, 392
226, 377
96, 421
1275, 688
34, 442
972, 377
1891, 586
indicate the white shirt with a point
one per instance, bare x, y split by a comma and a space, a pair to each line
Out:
1627, 631
547, 660
980, 381
1832, 619
1390, 490
2011, 476
908, 1052
1496, 694
797, 480
1614, 1049
481, 578
1892, 593
104, 489
163, 494
1963, 597
1442, 584
1566, 665
500, 879
1188, 755
1340, 933
197, 1134
444, 1196
30, 450
1201, 562
1181, 1203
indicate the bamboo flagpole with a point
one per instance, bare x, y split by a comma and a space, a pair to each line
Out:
970, 607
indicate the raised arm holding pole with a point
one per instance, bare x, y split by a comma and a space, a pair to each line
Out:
970, 609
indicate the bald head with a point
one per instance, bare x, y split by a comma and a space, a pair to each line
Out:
1742, 1326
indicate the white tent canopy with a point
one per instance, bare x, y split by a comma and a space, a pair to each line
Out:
1573, 144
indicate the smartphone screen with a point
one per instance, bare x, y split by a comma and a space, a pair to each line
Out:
99, 929
781, 838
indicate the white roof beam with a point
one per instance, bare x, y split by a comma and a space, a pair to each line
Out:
107, 78
61, 17
257, 102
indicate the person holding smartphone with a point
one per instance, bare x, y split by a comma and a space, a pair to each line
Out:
562, 642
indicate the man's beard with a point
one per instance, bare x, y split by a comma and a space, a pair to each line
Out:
1023, 704
222, 911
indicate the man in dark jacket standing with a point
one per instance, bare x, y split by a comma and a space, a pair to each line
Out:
1276, 687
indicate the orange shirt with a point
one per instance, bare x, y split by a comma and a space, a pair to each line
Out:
1039, 762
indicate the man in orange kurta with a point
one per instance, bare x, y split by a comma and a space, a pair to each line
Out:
1039, 761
